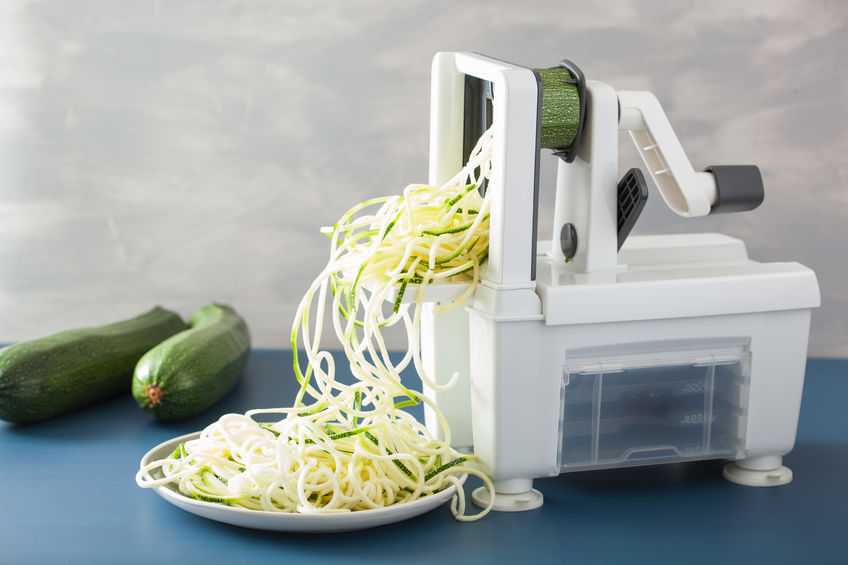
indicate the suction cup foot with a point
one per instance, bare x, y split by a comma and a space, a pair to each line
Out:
735, 473
508, 502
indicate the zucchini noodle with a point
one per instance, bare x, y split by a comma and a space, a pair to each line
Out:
351, 447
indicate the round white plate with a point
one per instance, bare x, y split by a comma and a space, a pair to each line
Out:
286, 522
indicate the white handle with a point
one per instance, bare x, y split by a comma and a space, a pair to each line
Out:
687, 192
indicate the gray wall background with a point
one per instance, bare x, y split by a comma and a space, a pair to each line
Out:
183, 152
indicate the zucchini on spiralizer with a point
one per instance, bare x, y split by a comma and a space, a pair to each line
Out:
53, 375
189, 372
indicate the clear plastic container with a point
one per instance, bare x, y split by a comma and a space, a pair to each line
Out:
657, 406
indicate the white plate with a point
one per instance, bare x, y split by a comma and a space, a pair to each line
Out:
277, 521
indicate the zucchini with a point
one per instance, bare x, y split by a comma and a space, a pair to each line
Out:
189, 372
60, 373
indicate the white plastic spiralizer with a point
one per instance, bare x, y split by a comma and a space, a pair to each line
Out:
596, 349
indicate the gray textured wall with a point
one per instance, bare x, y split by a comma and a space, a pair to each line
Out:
182, 152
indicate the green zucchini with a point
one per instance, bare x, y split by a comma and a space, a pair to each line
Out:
60, 373
189, 372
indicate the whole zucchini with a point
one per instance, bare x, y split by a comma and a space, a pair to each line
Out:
189, 372
53, 375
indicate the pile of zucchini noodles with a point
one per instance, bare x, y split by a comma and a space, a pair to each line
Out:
349, 447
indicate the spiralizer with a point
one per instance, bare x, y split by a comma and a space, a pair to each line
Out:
597, 349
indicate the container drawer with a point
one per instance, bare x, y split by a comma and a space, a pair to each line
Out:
657, 406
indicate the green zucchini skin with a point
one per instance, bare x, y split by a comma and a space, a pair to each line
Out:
54, 375
191, 371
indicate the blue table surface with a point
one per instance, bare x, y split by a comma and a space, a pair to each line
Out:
67, 495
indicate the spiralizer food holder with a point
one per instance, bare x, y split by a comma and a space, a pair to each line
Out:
595, 349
